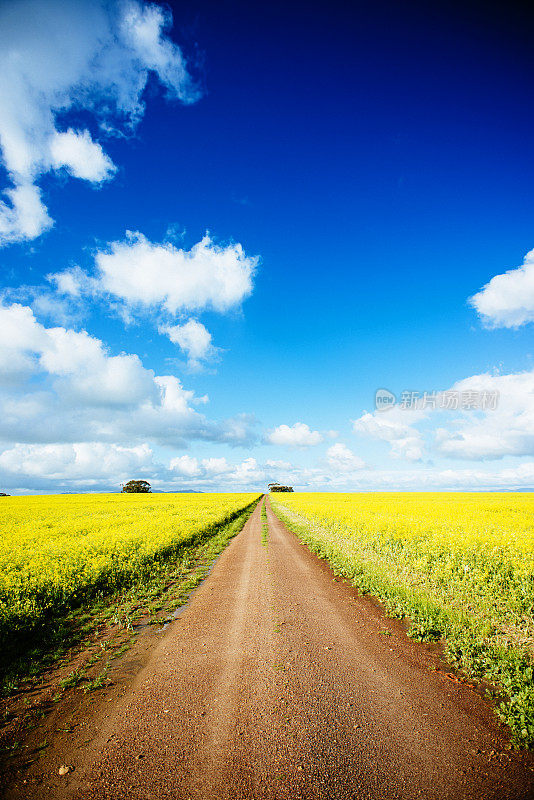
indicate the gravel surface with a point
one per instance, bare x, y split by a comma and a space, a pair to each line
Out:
279, 681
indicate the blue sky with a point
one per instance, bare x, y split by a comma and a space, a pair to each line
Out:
226, 226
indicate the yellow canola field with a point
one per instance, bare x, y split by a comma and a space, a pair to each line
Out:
458, 519
461, 520
480, 540
55, 550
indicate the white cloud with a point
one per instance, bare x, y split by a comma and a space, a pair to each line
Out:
216, 466
421, 478
218, 472
506, 430
85, 372
143, 275
81, 157
57, 57
298, 435
185, 465
396, 427
47, 305
508, 300
80, 460
60, 385
248, 473
342, 459
325, 477
103, 465
474, 433
194, 340
23, 216
73, 282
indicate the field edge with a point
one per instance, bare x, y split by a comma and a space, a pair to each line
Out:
54, 634
508, 671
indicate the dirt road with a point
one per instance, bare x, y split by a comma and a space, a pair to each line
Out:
280, 682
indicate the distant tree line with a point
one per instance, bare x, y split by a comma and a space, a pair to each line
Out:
277, 487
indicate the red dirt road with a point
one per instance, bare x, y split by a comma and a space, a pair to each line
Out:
278, 681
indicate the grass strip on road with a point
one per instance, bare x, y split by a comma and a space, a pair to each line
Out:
264, 526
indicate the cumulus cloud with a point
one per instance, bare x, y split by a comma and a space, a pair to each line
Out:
83, 370
139, 277
506, 430
57, 58
73, 283
80, 156
508, 300
396, 427
194, 340
97, 466
216, 466
342, 459
94, 466
185, 465
218, 472
298, 435
23, 215
84, 463
192, 473
142, 275
502, 428
60, 385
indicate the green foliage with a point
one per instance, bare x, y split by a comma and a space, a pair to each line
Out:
137, 487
